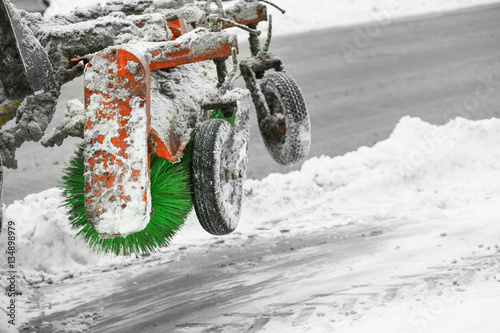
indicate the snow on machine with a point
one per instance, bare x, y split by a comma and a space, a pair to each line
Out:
163, 129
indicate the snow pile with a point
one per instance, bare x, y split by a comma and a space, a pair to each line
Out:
312, 15
422, 170
46, 247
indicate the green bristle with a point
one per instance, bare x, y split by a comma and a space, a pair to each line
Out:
217, 114
171, 202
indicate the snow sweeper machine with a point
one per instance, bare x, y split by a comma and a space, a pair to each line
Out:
163, 127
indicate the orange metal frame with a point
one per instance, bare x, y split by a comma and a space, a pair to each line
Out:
177, 26
261, 15
114, 171
113, 178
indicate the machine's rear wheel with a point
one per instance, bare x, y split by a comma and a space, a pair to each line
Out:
286, 130
217, 177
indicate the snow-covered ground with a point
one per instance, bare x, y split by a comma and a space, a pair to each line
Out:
434, 190
437, 186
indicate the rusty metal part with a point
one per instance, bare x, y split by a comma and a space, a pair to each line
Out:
177, 26
227, 108
116, 156
208, 45
265, 64
117, 130
86, 42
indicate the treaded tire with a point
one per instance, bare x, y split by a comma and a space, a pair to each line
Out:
217, 190
286, 131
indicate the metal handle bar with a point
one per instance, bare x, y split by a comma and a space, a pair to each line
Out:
274, 5
214, 19
241, 26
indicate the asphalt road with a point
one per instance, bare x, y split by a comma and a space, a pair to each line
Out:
357, 82
432, 68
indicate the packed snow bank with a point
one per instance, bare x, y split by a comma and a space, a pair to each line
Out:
302, 16
45, 243
422, 170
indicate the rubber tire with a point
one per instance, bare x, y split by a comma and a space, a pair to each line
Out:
287, 132
211, 148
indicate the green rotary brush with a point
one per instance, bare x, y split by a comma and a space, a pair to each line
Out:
171, 203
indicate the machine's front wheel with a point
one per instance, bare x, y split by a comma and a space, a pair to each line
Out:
285, 129
217, 176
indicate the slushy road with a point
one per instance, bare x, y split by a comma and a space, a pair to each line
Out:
358, 82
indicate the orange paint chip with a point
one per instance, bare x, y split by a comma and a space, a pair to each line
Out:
89, 125
136, 174
110, 181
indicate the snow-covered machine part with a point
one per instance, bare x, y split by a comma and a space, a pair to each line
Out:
24, 64
246, 12
116, 156
92, 36
71, 40
176, 98
72, 124
1, 192
197, 45
129, 7
117, 126
139, 101
28, 84
219, 163
281, 109
175, 107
